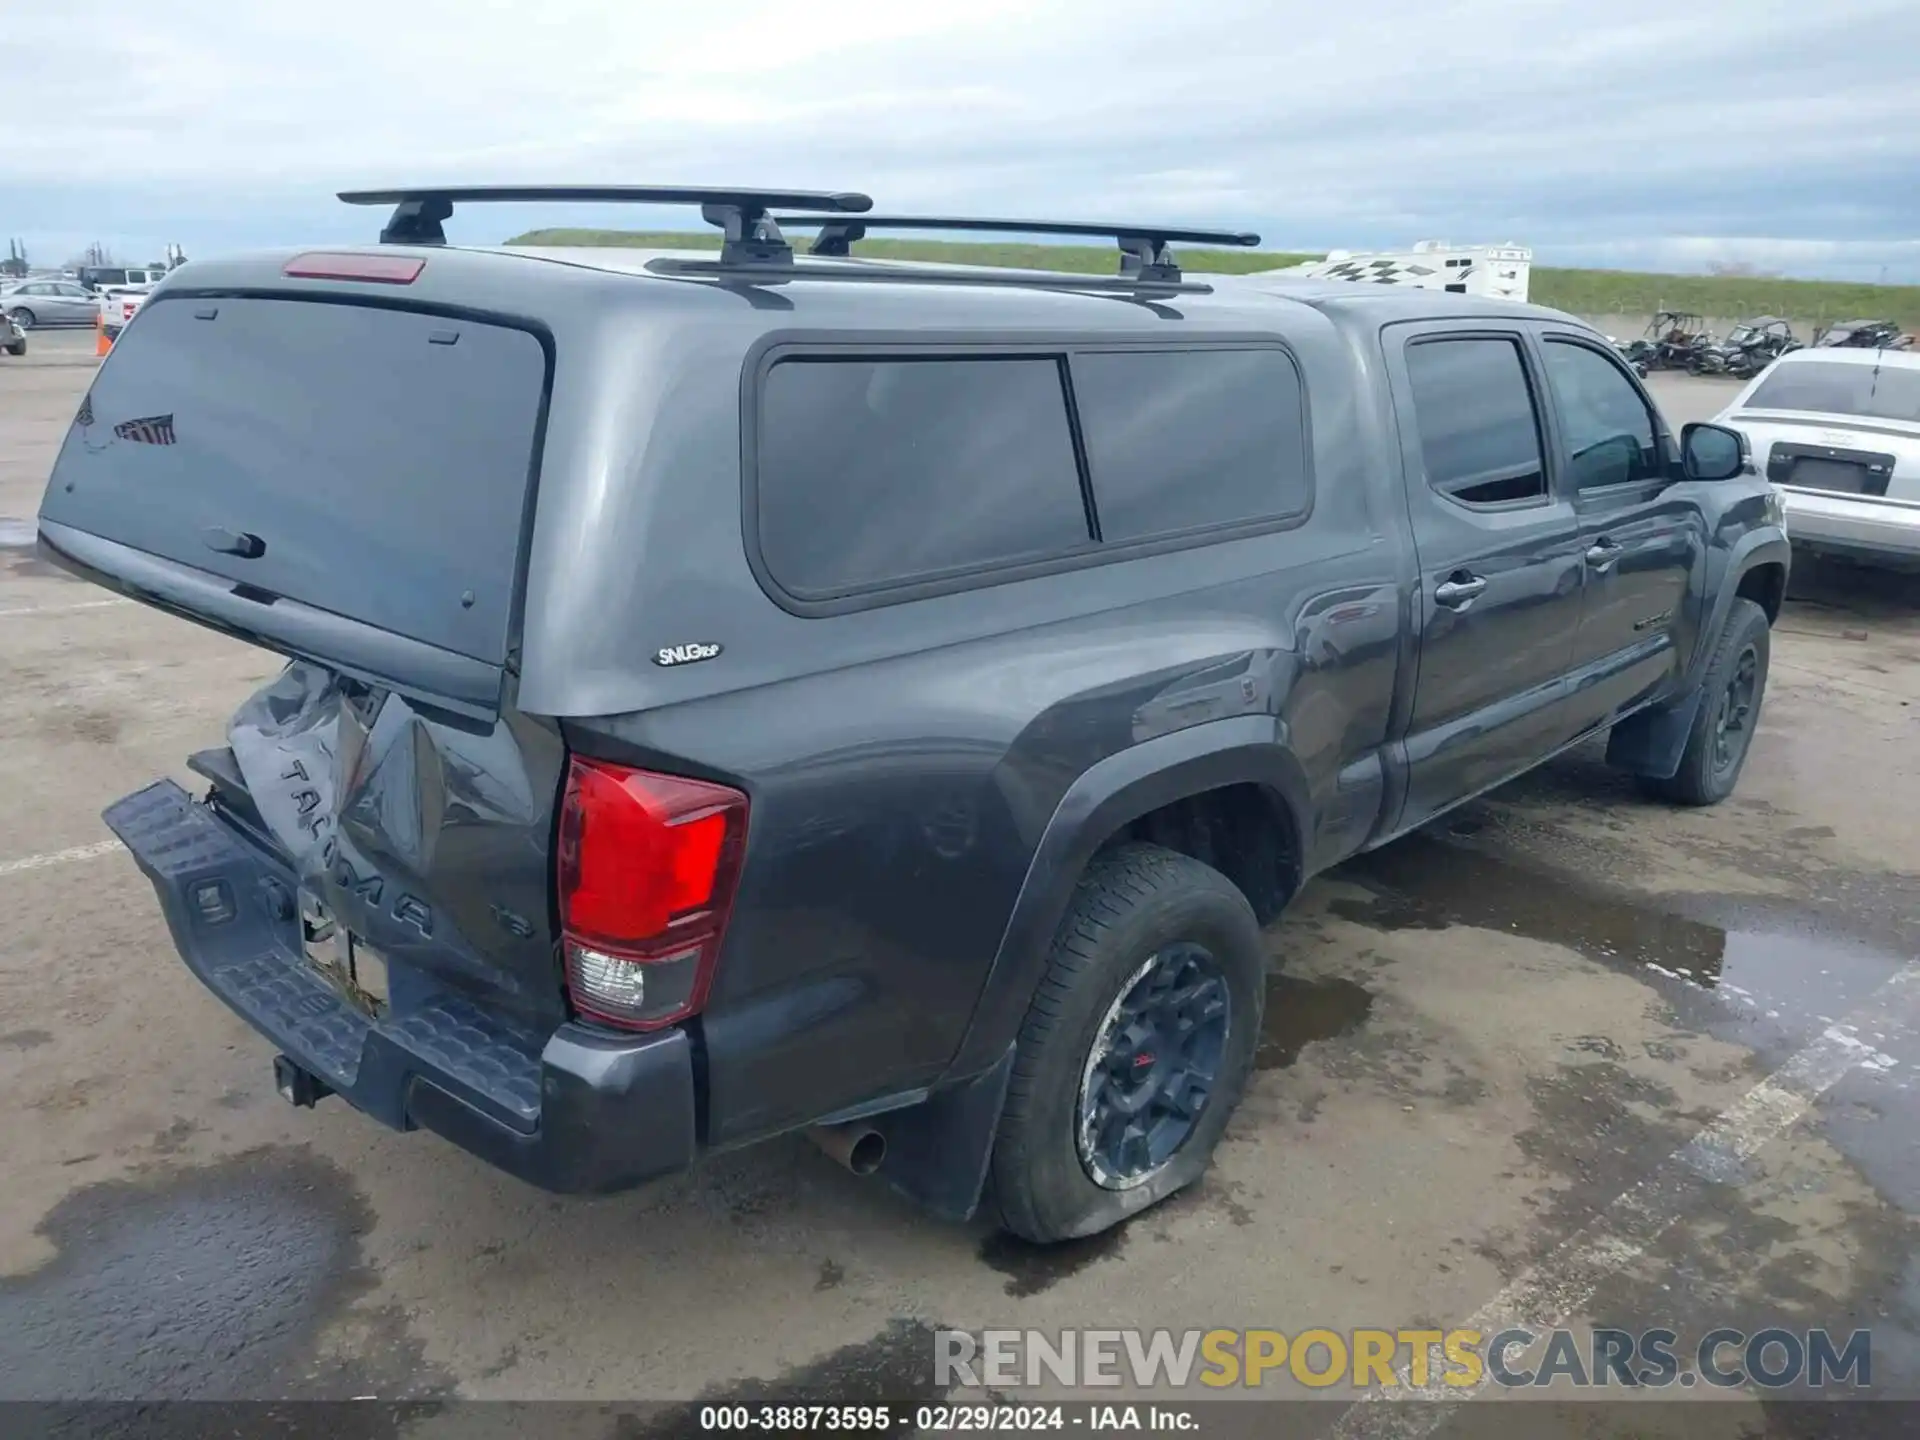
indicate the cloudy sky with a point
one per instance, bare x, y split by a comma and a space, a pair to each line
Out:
1643, 134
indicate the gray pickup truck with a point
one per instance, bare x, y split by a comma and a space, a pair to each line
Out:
737, 693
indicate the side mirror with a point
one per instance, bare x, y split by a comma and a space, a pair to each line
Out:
1712, 452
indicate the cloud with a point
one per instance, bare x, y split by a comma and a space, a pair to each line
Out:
1631, 129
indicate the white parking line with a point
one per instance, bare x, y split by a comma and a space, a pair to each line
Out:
1553, 1291
58, 857
63, 609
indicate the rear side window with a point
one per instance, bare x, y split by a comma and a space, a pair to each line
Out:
1177, 440
880, 472
1475, 415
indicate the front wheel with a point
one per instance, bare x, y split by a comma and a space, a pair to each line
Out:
1135, 1049
1729, 711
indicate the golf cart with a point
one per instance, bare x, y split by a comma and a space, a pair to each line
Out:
1673, 337
1748, 349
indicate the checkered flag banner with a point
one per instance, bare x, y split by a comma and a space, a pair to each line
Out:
152, 430
1385, 272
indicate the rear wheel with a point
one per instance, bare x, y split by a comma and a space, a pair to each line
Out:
1136, 1047
22, 317
1730, 696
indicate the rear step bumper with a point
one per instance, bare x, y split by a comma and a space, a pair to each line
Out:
574, 1111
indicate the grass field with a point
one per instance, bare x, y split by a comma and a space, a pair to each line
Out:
1582, 292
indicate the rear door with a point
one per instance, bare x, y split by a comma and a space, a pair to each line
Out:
1499, 557
76, 306
1641, 536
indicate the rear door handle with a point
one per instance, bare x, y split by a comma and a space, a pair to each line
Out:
1602, 553
1457, 594
233, 542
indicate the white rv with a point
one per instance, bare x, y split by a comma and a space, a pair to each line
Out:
1497, 270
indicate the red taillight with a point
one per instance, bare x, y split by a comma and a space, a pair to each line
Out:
647, 868
387, 269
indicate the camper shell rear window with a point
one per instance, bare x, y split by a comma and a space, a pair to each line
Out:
371, 461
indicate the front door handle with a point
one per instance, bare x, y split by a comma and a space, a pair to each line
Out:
1458, 593
1602, 553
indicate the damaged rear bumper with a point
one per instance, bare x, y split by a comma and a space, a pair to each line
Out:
574, 1110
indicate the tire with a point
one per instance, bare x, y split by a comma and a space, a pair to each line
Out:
1145, 923
22, 317
17, 347
1710, 769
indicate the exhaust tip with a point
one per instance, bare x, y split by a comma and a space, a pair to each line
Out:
858, 1147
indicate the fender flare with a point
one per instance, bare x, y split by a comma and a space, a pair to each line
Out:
1652, 742
1110, 794
1766, 545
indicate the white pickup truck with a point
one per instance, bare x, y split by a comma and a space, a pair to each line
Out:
117, 306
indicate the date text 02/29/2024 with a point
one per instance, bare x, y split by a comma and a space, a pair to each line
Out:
945, 1419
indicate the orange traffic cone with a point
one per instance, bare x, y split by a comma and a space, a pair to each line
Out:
101, 344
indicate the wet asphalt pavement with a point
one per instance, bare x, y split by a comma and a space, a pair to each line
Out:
1478, 1040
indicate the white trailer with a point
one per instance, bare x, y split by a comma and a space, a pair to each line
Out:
1498, 270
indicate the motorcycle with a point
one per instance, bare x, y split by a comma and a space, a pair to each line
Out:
13, 339
1632, 353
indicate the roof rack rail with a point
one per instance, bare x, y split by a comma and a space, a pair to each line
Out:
752, 236
1143, 248
905, 273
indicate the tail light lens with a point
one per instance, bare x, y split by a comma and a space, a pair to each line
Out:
387, 269
648, 866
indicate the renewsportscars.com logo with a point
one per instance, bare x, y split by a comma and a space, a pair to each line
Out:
1426, 1360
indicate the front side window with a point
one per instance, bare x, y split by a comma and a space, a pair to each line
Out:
1474, 414
1610, 433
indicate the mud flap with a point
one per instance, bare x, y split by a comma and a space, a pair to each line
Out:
1652, 742
938, 1151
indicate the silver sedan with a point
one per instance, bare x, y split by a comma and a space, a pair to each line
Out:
35, 303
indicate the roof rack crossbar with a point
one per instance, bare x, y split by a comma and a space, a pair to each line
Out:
1143, 248
752, 237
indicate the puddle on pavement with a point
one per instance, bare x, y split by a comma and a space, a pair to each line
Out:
1031, 1268
1781, 967
206, 1284
1300, 1011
